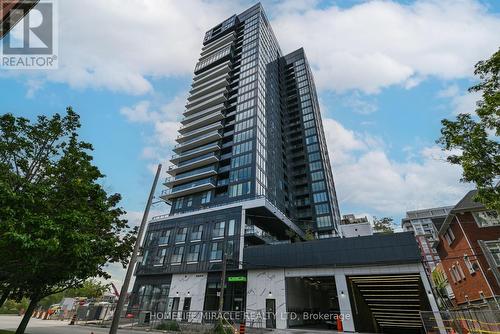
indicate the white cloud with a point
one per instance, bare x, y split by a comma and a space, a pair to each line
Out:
377, 44
367, 178
460, 102
163, 121
360, 105
369, 46
123, 44
138, 113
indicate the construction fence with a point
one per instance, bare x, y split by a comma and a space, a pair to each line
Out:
466, 321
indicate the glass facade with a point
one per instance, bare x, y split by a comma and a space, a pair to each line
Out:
252, 128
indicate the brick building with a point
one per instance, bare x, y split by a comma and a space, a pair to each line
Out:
469, 248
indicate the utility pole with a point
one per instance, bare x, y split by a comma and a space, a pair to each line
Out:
223, 279
133, 258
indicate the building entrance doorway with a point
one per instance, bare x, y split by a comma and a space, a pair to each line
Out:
270, 313
312, 302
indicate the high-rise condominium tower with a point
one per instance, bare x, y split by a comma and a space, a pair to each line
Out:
251, 165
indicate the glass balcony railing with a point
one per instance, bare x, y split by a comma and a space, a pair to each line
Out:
197, 139
184, 136
252, 230
195, 151
189, 186
191, 161
187, 175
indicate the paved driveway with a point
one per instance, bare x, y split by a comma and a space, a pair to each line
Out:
37, 326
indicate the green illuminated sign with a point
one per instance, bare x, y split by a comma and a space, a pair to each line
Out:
237, 279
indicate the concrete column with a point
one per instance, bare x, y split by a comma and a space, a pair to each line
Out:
242, 237
432, 300
344, 302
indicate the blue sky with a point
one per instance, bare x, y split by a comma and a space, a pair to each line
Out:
387, 73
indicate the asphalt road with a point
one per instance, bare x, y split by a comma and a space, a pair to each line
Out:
37, 326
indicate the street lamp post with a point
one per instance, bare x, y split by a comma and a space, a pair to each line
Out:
133, 258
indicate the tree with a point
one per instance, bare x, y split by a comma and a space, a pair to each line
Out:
474, 138
383, 225
57, 223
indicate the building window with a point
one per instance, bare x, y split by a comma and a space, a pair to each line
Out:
241, 160
197, 233
193, 253
449, 236
189, 201
178, 203
205, 197
177, 255
181, 234
452, 275
322, 209
320, 197
216, 251
242, 148
316, 176
315, 165
160, 256
164, 238
230, 227
218, 230
317, 186
494, 249
230, 249
468, 264
239, 189
457, 272
486, 218
324, 221
324, 235
240, 174
145, 257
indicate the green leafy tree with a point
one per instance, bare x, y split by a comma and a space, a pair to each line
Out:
475, 137
58, 225
383, 225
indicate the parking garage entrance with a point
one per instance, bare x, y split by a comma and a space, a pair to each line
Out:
388, 303
312, 302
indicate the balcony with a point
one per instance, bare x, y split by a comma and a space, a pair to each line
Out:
191, 176
198, 141
189, 188
258, 236
202, 113
206, 120
213, 73
217, 44
197, 162
190, 135
209, 87
206, 102
188, 155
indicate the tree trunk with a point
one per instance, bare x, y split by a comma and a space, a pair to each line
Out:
4, 297
27, 316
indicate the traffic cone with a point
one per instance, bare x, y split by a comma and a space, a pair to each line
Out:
339, 325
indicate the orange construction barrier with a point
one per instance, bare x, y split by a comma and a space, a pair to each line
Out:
242, 328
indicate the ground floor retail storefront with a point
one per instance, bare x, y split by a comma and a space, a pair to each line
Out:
299, 286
